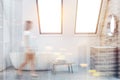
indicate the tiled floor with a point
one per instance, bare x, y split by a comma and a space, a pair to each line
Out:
79, 74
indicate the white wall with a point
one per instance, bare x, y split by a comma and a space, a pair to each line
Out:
75, 47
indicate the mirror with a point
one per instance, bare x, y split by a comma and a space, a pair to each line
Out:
111, 25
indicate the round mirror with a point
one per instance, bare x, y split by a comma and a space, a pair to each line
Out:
111, 25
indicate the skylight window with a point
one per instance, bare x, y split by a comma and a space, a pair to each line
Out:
50, 16
87, 16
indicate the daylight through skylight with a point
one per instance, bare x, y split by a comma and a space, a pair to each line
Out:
87, 16
50, 16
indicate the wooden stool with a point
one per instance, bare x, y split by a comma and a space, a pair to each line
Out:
70, 68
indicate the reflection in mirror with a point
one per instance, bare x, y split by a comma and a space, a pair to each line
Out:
111, 25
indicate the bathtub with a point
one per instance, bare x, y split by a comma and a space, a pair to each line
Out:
42, 62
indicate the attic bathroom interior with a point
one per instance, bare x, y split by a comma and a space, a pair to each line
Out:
59, 39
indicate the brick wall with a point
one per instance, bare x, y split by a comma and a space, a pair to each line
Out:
113, 8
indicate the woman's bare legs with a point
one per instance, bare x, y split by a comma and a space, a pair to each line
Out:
23, 65
33, 73
29, 58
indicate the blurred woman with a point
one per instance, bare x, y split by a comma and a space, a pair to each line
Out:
29, 49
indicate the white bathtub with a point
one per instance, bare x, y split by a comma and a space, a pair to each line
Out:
43, 60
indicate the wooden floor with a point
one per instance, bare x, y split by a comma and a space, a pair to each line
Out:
79, 74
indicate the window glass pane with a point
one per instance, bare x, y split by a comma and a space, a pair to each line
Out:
50, 16
87, 16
